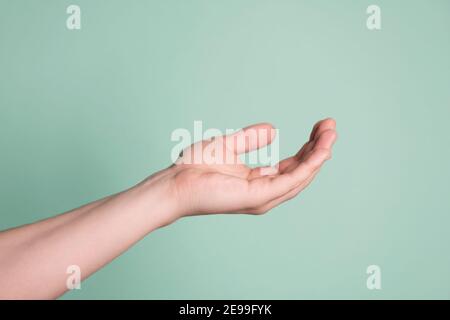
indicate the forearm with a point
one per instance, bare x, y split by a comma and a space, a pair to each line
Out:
30, 231
33, 264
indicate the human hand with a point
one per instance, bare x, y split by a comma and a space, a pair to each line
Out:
224, 184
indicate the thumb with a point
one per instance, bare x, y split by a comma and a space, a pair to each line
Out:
251, 138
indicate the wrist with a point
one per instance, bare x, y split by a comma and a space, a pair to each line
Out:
158, 198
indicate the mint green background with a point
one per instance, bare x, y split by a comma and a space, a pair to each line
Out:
87, 113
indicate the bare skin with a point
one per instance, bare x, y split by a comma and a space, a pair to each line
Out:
34, 258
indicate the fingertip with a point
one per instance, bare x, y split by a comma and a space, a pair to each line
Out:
268, 124
321, 126
326, 139
329, 123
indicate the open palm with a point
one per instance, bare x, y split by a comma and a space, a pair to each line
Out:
222, 183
